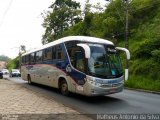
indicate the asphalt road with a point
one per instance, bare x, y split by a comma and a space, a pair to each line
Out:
126, 102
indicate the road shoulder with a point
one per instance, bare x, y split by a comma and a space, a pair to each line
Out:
18, 100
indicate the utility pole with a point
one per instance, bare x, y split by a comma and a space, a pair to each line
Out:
126, 33
126, 2
126, 25
19, 57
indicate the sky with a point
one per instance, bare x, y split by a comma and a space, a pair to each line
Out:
21, 24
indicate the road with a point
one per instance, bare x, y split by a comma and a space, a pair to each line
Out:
126, 102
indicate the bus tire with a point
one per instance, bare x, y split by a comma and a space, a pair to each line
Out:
29, 80
64, 87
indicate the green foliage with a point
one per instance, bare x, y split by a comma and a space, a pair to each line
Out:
78, 29
156, 55
142, 7
109, 26
146, 67
145, 48
13, 64
142, 82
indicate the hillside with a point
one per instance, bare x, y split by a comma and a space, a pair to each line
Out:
3, 61
4, 58
145, 43
145, 48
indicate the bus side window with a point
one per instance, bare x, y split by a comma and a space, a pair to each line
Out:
59, 53
26, 59
54, 53
80, 61
71, 48
39, 56
32, 58
71, 57
47, 54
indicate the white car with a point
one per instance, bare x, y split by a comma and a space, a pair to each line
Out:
15, 73
5, 71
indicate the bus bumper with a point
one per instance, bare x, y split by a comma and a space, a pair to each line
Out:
94, 89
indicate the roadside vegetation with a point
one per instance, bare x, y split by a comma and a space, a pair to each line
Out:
141, 82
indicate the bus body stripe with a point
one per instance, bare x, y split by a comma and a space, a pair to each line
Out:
73, 79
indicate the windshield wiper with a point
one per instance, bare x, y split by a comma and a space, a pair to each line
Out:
101, 76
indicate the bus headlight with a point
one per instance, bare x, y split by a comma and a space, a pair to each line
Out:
93, 81
90, 79
98, 84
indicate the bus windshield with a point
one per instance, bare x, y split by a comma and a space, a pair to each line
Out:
104, 61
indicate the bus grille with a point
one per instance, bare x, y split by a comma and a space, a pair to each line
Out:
111, 85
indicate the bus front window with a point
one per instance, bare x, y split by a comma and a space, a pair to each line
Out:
104, 61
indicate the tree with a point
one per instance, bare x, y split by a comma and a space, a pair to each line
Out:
13, 64
64, 14
87, 8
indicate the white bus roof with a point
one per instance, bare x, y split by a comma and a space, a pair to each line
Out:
72, 38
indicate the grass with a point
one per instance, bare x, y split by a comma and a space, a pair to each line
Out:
142, 82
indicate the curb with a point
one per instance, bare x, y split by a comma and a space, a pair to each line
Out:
141, 90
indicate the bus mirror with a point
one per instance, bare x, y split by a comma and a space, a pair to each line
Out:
128, 57
86, 49
125, 50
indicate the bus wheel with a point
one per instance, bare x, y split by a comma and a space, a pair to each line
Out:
29, 80
64, 87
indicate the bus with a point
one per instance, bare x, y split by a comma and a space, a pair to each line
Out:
79, 64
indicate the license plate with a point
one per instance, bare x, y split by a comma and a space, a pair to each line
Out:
112, 91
